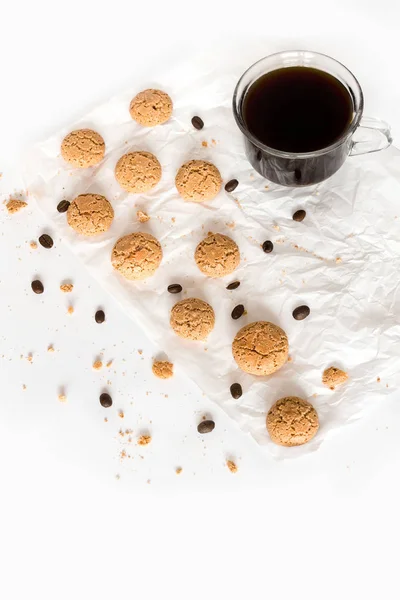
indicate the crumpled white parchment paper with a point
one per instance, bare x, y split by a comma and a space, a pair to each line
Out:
343, 260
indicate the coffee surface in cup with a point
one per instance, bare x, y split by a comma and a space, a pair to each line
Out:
297, 109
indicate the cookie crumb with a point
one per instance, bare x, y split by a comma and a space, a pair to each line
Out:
29, 358
50, 348
178, 470
144, 440
14, 206
231, 466
142, 216
163, 369
97, 365
140, 352
338, 260
33, 245
66, 287
70, 310
105, 420
23, 386
204, 144
121, 414
333, 377
378, 379
108, 365
62, 397
276, 227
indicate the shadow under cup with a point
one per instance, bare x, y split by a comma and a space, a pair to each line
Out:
306, 168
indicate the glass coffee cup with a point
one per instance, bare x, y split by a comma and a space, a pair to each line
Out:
287, 165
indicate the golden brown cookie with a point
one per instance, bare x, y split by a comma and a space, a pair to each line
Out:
13, 205
163, 369
151, 107
192, 319
83, 148
137, 255
292, 421
138, 172
198, 181
90, 214
217, 255
332, 377
260, 348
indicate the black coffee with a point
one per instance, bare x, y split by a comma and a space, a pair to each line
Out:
297, 109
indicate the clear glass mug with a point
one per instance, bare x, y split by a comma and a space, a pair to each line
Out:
299, 169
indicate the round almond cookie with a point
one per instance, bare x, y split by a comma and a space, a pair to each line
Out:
137, 255
260, 348
90, 214
138, 172
292, 421
151, 107
198, 181
83, 148
217, 255
192, 319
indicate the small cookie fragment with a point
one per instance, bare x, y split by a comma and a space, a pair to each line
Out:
232, 466
332, 377
178, 470
217, 255
70, 310
137, 255
292, 421
151, 107
97, 365
142, 217
62, 397
192, 319
90, 214
144, 440
13, 206
260, 348
138, 172
198, 181
163, 369
66, 287
83, 148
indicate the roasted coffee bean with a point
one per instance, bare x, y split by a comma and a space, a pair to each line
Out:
174, 288
233, 286
301, 312
197, 123
267, 246
37, 286
205, 426
237, 311
46, 241
100, 317
236, 390
231, 185
63, 206
299, 215
105, 400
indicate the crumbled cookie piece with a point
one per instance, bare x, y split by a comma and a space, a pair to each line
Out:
62, 397
231, 466
144, 440
14, 205
121, 414
178, 470
66, 287
163, 369
70, 310
332, 377
33, 245
97, 365
142, 216
50, 348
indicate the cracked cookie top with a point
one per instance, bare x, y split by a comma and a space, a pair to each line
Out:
217, 255
151, 107
83, 148
198, 181
90, 214
292, 421
260, 348
138, 172
192, 319
137, 255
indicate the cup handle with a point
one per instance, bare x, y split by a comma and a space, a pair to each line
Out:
375, 136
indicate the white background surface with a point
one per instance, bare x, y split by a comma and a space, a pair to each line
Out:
315, 527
